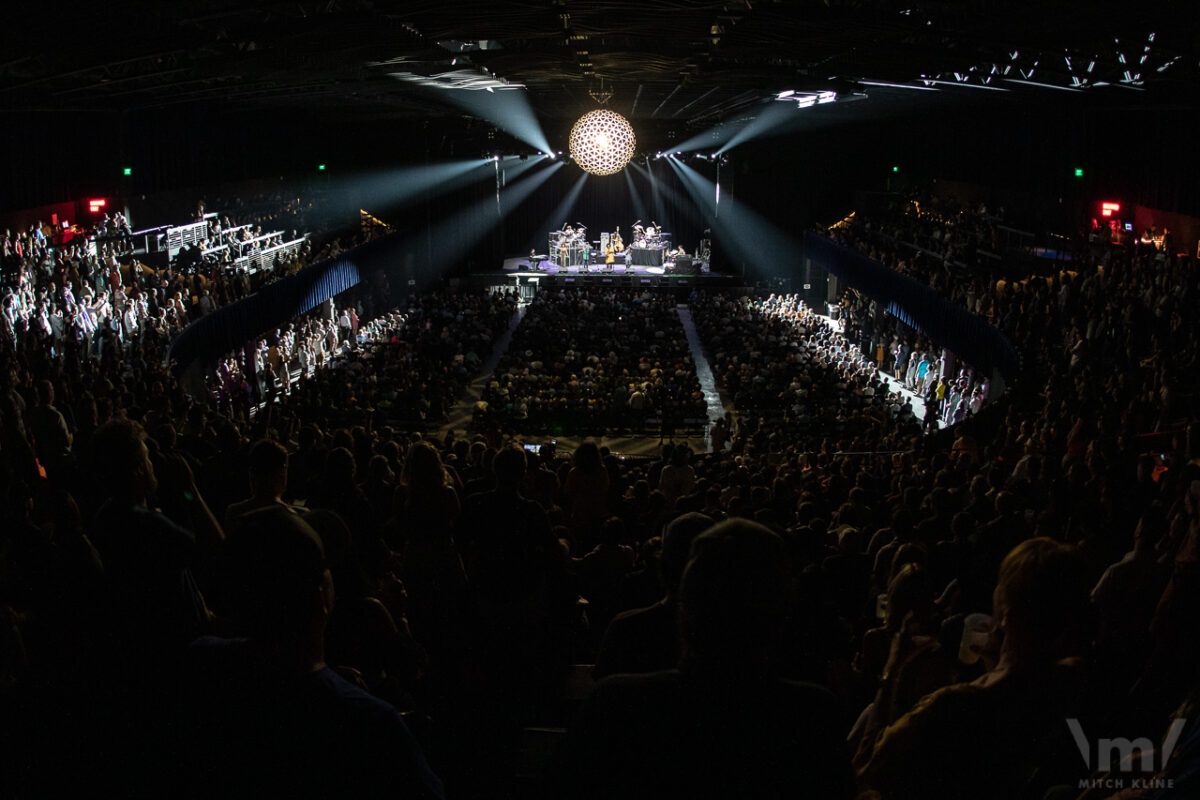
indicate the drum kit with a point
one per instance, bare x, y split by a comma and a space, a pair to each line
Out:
650, 236
571, 245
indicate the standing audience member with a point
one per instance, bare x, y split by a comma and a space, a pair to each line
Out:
734, 728
265, 715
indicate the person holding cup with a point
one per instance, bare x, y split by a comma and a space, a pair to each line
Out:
1009, 723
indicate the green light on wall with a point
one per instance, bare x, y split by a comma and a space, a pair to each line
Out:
128, 171
321, 167
1079, 172
895, 169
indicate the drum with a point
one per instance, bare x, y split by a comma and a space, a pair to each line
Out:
650, 232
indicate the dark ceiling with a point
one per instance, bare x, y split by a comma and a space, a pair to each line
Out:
688, 63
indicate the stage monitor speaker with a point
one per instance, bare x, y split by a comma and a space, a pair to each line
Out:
683, 265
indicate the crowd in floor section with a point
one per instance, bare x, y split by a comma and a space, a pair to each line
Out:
295, 584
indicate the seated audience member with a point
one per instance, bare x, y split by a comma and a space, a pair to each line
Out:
265, 715
601, 571
510, 550
992, 737
147, 558
268, 463
518, 572
647, 639
722, 724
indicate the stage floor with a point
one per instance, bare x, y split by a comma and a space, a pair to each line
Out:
524, 266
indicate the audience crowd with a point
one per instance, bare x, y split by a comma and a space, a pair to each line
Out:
317, 599
408, 366
79, 297
590, 360
786, 370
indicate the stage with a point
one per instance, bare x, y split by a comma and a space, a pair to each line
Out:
548, 267
520, 272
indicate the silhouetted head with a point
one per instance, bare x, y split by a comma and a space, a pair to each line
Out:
734, 596
122, 461
508, 466
678, 536
276, 587
1041, 600
268, 465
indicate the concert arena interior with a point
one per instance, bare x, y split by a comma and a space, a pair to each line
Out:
561, 399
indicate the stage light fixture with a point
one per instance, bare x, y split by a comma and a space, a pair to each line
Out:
602, 142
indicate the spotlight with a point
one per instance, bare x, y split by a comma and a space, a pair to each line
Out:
602, 142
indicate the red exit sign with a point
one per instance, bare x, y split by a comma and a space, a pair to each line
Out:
97, 205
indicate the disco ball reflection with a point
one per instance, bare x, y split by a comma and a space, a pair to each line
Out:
602, 142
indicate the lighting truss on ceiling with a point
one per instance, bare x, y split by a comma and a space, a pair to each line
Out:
807, 99
1125, 66
601, 95
471, 80
456, 46
889, 85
